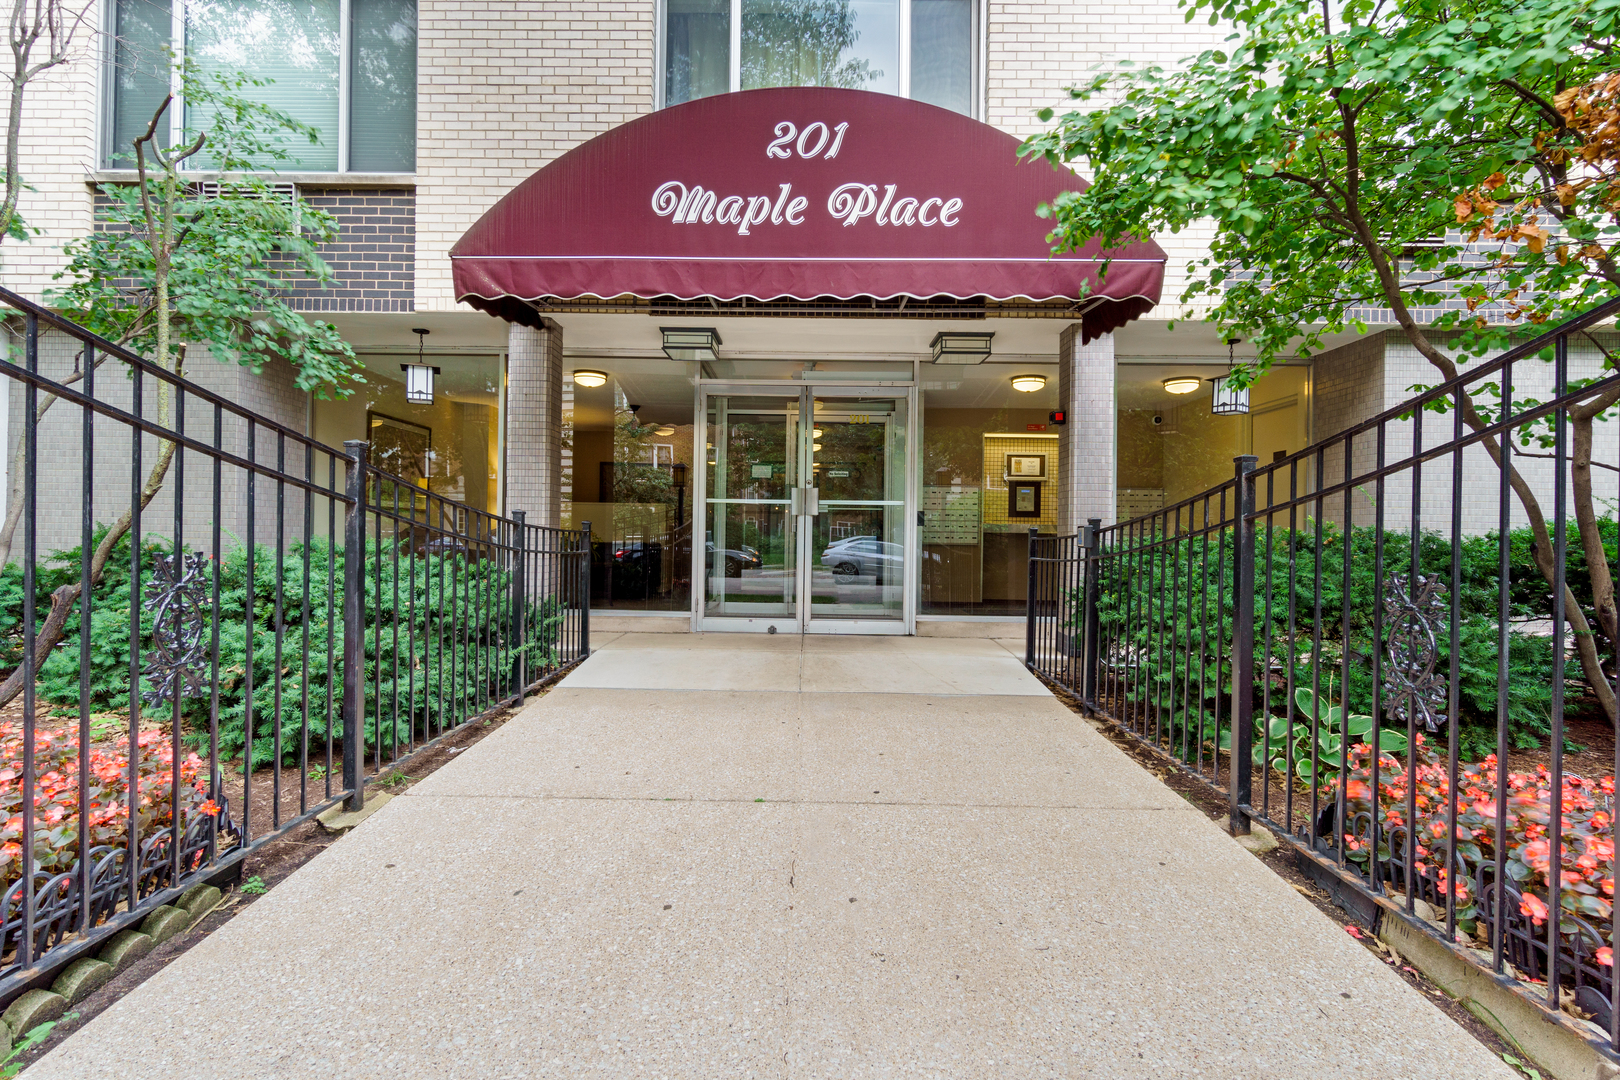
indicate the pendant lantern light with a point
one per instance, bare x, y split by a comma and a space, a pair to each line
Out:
1228, 401
419, 376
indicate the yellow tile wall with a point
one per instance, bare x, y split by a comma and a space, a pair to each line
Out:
996, 449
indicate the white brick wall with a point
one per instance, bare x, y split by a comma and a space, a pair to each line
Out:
503, 88
58, 152
1363, 379
1037, 49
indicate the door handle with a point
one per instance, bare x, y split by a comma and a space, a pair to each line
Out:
796, 501
812, 501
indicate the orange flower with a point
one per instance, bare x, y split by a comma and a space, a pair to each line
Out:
1533, 906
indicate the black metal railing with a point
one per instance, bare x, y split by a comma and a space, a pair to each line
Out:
228, 626
1381, 647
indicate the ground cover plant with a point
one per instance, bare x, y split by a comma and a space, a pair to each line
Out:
57, 809
1585, 854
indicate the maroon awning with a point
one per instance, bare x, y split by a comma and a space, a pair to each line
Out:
800, 193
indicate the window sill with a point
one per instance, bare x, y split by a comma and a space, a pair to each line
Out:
310, 179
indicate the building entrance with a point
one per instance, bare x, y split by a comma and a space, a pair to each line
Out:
807, 502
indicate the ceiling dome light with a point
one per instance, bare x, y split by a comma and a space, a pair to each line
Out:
815, 446
1182, 384
588, 378
1028, 384
815, 433
663, 431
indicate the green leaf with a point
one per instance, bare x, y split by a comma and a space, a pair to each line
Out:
1392, 742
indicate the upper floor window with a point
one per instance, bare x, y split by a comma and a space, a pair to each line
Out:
345, 67
922, 49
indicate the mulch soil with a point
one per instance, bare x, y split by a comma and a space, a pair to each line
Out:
277, 859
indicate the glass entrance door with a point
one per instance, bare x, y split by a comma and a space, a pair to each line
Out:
752, 485
855, 549
806, 510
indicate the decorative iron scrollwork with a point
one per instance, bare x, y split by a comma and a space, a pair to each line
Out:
178, 661
1410, 681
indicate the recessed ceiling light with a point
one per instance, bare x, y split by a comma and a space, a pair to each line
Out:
1028, 384
588, 378
1182, 384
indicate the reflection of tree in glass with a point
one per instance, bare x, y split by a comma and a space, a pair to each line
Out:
955, 451
857, 450
403, 451
635, 479
802, 43
381, 59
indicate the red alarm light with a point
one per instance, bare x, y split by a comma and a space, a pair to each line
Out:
1058, 417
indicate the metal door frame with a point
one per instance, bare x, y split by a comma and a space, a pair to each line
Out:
800, 621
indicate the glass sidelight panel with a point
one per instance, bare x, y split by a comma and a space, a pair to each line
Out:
752, 467
857, 539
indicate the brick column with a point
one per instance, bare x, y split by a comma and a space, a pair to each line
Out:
534, 363
1086, 450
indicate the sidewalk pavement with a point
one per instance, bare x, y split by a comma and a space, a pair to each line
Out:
708, 856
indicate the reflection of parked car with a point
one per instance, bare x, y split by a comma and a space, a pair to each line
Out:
740, 558
864, 555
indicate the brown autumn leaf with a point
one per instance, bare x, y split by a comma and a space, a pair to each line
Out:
1494, 181
1464, 207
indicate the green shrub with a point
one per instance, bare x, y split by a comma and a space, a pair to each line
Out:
1169, 612
456, 611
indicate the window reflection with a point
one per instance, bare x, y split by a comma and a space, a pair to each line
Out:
852, 44
942, 53
697, 49
628, 466
292, 46
382, 86
293, 50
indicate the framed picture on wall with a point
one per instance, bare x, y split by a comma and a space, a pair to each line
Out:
399, 446
1022, 465
1023, 499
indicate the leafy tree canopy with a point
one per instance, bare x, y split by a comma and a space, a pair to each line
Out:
1382, 153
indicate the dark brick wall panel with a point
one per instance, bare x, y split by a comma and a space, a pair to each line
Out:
374, 258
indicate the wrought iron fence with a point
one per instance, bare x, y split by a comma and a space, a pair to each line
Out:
270, 624
1379, 648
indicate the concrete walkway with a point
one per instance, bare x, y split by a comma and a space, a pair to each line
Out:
725, 856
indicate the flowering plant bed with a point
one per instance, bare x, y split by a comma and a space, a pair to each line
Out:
1585, 855
204, 826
